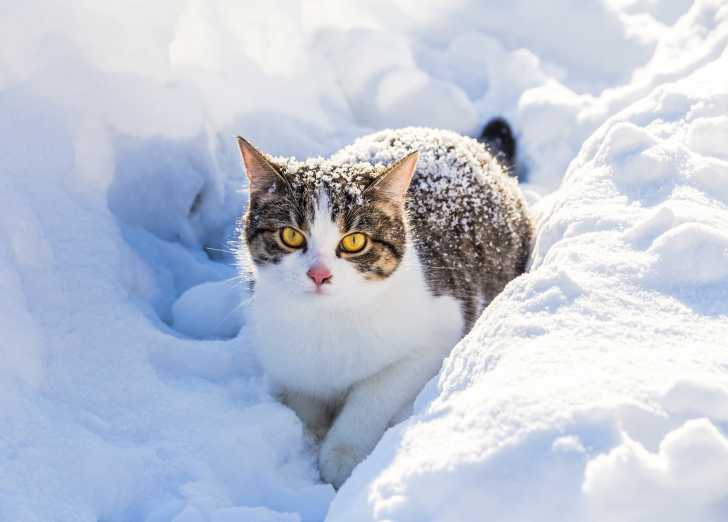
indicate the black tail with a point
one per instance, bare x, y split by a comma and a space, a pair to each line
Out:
498, 136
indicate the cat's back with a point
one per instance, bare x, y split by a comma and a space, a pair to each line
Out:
470, 224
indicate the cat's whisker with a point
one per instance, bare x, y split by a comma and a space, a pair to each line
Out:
236, 309
238, 279
233, 252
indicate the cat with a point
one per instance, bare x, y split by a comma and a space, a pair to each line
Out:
368, 268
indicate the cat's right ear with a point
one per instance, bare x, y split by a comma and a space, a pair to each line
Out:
261, 174
396, 179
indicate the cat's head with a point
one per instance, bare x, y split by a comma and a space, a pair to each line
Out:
321, 231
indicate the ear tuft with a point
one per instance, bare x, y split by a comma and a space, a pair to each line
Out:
261, 174
396, 179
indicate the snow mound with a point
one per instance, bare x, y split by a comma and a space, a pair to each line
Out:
569, 399
127, 392
690, 254
689, 396
210, 310
689, 466
708, 136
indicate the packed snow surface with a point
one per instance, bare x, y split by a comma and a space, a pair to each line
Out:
594, 388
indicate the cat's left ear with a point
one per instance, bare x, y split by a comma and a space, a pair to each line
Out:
396, 179
261, 173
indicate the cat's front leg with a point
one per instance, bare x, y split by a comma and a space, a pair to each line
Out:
314, 413
368, 410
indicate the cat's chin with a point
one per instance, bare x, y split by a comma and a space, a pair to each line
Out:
310, 295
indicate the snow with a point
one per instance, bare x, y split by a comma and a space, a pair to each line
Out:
210, 310
708, 136
668, 473
438, 192
569, 399
691, 254
594, 388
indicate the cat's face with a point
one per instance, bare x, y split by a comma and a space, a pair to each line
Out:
322, 232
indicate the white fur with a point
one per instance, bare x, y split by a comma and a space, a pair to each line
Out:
364, 347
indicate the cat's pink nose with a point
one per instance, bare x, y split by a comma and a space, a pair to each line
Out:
319, 274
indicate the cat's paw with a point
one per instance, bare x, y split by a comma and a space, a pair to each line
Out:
337, 461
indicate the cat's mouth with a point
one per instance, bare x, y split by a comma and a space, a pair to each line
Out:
319, 291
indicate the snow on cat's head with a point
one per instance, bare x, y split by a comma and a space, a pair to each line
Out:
323, 232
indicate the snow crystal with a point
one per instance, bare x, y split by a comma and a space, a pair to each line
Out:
315, 173
446, 174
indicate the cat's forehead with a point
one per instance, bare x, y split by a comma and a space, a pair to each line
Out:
339, 181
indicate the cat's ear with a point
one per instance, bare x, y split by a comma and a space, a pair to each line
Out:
261, 173
396, 179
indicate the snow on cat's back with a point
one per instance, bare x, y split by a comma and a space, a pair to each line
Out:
467, 215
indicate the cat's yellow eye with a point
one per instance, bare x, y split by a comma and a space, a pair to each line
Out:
353, 243
292, 238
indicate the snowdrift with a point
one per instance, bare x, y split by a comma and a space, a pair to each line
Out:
594, 388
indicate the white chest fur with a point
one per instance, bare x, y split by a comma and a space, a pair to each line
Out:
321, 348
